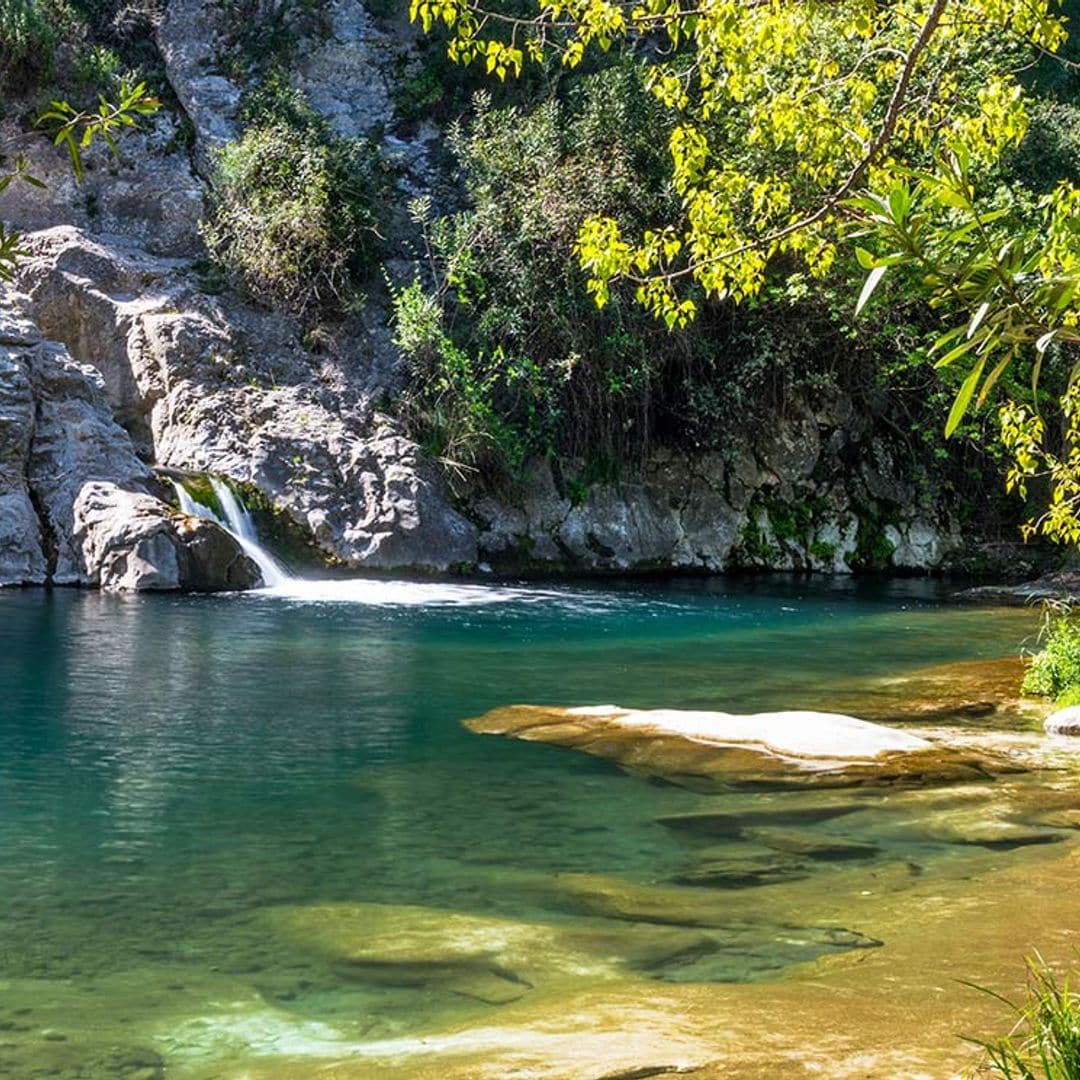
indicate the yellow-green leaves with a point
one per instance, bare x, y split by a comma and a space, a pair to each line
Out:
781, 113
77, 129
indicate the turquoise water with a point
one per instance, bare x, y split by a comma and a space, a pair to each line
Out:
171, 767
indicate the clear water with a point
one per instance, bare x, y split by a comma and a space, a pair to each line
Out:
171, 767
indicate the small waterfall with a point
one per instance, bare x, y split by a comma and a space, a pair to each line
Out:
236, 520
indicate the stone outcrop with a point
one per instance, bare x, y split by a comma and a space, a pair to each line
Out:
208, 386
148, 194
128, 544
790, 504
76, 506
1064, 721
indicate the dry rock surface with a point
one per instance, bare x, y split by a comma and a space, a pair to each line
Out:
78, 504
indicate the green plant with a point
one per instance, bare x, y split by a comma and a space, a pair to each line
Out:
292, 219
823, 551
1044, 1043
28, 41
1055, 668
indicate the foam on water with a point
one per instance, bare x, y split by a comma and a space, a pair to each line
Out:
418, 593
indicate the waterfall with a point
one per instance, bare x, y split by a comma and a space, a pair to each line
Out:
235, 520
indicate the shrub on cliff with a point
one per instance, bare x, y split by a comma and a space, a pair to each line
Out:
291, 219
28, 40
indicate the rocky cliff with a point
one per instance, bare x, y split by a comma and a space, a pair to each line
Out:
116, 356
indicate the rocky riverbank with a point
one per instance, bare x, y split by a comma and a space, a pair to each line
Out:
112, 307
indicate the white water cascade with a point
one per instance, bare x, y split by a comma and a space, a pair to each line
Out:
235, 520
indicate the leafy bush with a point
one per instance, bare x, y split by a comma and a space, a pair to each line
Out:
558, 377
292, 217
76, 47
552, 372
28, 41
1044, 1043
1055, 669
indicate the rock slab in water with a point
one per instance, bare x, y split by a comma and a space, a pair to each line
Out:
706, 751
490, 959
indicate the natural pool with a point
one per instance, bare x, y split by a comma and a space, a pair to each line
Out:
224, 823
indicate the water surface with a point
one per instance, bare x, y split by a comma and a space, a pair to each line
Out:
172, 767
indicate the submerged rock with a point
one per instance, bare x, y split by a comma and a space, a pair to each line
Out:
707, 751
974, 827
951, 693
811, 845
733, 823
486, 958
720, 870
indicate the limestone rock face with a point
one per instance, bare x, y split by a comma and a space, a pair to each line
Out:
710, 751
22, 559
131, 542
75, 498
187, 38
149, 193
345, 75
767, 508
207, 386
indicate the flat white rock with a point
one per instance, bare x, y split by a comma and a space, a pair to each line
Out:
796, 733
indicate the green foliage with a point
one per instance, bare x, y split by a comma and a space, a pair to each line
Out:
457, 413
1044, 1043
28, 41
776, 114
608, 385
292, 217
77, 129
1055, 669
76, 47
873, 549
563, 376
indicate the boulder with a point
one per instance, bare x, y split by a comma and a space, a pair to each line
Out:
1064, 721
132, 542
75, 500
708, 751
188, 38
